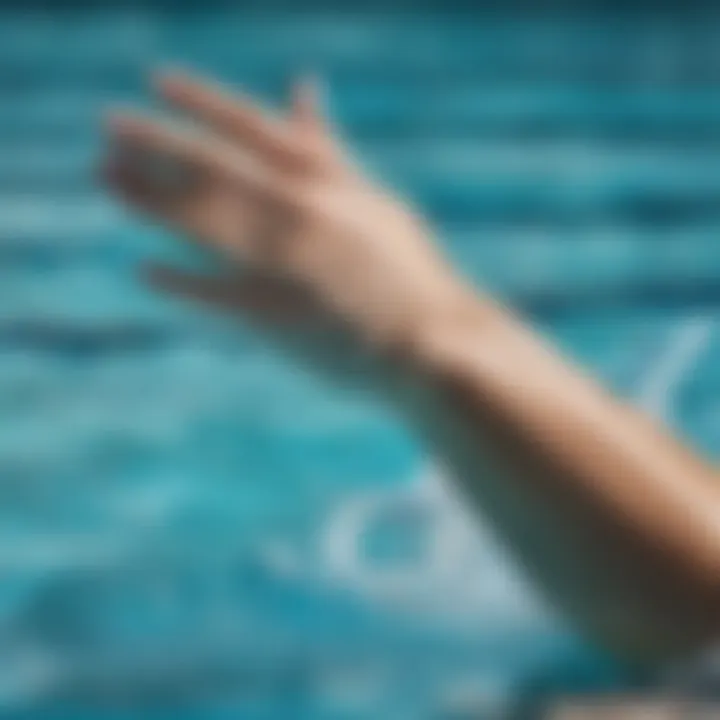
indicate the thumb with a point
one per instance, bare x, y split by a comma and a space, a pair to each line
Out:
308, 118
306, 112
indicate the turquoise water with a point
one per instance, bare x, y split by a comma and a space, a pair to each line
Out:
192, 527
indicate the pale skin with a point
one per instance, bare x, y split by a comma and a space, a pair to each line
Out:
615, 520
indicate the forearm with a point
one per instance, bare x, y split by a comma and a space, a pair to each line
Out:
618, 523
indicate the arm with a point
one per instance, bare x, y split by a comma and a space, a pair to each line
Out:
617, 523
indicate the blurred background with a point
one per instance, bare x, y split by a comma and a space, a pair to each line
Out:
190, 526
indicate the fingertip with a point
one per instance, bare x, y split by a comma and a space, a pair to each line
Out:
182, 87
307, 91
122, 123
164, 71
170, 80
115, 175
113, 118
106, 172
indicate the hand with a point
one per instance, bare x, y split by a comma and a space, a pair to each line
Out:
307, 237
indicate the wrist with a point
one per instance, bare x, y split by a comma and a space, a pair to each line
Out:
458, 331
457, 347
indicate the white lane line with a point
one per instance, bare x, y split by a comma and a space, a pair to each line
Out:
659, 388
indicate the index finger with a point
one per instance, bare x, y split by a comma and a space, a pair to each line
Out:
207, 154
